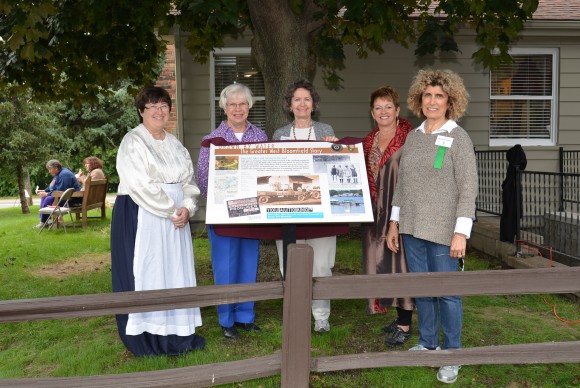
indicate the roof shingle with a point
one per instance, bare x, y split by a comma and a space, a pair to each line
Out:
558, 10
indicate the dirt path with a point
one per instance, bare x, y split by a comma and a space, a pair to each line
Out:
87, 263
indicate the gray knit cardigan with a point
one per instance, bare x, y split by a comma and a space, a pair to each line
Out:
431, 199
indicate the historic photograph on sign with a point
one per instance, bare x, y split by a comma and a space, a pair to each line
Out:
289, 189
227, 162
243, 207
346, 201
287, 182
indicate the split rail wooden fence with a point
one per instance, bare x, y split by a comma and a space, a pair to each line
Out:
294, 362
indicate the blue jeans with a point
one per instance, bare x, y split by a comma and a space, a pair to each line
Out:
426, 256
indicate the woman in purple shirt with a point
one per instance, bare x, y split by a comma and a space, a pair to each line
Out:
234, 259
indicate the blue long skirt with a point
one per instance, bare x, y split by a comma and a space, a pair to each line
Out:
123, 232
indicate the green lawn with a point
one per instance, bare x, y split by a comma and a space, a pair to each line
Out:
54, 263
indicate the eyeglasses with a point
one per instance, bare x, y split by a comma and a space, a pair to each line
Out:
163, 108
241, 105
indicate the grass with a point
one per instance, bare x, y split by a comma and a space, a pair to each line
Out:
54, 263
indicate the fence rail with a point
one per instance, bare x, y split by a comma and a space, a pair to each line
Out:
488, 355
136, 301
294, 362
505, 282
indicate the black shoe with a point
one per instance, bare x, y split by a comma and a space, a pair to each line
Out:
398, 337
248, 327
230, 332
390, 328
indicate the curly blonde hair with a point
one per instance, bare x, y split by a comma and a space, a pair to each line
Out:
450, 82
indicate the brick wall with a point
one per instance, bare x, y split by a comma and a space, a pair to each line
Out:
166, 81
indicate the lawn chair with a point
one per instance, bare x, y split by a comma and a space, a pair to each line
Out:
57, 211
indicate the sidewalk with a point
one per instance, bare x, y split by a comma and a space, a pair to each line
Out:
14, 202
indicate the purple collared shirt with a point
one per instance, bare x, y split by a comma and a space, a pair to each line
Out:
251, 134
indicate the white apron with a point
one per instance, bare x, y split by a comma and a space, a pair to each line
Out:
163, 259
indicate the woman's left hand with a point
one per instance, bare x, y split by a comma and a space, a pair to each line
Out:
181, 219
393, 237
329, 138
458, 245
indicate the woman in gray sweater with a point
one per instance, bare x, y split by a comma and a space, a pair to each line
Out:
434, 201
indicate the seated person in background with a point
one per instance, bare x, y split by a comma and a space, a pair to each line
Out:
63, 178
94, 168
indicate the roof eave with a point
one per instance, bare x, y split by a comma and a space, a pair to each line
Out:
551, 28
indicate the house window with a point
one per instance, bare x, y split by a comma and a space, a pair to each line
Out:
523, 99
235, 66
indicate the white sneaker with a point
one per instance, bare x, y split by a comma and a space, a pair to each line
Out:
421, 347
38, 226
448, 374
322, 326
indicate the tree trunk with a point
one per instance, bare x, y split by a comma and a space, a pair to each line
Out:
280, 52
21, 187
28, 186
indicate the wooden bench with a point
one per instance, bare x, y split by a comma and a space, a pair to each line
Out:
94, 197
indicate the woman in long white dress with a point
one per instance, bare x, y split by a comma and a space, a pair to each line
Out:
151, 245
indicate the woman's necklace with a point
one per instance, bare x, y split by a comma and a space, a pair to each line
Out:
293, 130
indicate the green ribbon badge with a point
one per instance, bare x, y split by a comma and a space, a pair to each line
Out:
439, 157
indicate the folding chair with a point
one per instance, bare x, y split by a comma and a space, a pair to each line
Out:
58, 210
17, 200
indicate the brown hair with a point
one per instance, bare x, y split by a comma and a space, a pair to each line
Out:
304, 84
386, 92
450, 82
148, 95
93, 163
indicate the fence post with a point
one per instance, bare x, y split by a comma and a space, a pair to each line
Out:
561, 160
296, 317
519, 209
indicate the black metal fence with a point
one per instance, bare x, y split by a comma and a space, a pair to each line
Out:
569, 161
491, 171
550, 218
569, 164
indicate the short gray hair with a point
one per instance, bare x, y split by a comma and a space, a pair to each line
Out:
53, 163
236, 90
